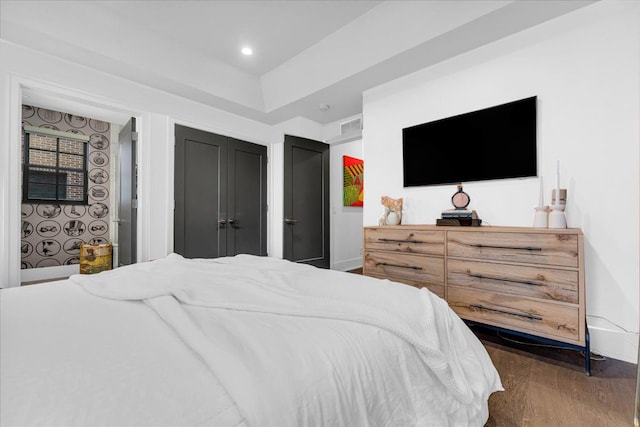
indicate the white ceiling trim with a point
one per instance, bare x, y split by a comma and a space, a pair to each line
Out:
376, 44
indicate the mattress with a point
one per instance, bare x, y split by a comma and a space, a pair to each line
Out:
237, 341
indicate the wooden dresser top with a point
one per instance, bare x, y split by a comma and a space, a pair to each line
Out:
485, 228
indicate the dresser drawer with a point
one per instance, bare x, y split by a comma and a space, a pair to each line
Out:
537, 282
430, 242
552, 320
532, 248
414, 268
436, 288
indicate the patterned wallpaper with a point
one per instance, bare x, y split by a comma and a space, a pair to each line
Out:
52, 233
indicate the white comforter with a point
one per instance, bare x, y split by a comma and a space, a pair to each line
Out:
273, 343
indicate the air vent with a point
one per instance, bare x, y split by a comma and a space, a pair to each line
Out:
351, 126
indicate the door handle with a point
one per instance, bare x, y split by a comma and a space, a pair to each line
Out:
512, 313
413, 267
290, 221
522, 248
233, 223
222, 222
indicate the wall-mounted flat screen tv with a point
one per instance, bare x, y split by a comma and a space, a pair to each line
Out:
493, 143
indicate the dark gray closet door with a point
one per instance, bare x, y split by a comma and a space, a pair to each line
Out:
306, 201
127, 201
220, 195
200, 194
246, 196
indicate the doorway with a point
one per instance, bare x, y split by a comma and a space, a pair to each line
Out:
127, 206
50, 231
306, 201
220, 195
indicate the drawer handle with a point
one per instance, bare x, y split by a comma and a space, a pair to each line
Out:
523, 248
400, 240
506, 279
413, 267
512, 313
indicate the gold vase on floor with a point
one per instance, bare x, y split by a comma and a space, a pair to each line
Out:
95, 258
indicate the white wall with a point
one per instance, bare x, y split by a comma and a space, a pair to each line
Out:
158, 112
24, 68
585, 70
346, 221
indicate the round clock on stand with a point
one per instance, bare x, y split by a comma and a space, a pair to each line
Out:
460, 199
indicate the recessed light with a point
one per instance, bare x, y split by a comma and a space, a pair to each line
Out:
247, 51
324, 107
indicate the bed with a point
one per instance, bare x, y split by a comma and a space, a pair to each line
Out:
237, 341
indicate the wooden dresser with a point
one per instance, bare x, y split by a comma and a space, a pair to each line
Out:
525, 280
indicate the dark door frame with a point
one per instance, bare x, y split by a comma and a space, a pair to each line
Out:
290, 222
127, 202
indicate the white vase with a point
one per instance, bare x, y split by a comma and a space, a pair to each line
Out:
541, 217
393, 218
557, 218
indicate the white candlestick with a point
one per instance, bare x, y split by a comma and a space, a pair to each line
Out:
541, 201
557, 201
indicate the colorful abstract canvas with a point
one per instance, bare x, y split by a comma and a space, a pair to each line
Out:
353, 181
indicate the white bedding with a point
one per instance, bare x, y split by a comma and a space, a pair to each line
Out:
237, 341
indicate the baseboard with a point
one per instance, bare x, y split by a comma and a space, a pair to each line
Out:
346, 265
48, 273
612, 343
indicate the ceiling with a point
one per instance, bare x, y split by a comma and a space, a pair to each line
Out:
306, 53
276, 30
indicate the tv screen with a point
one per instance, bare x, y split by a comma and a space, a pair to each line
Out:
492, 143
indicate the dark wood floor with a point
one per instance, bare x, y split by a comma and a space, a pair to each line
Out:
548, 387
